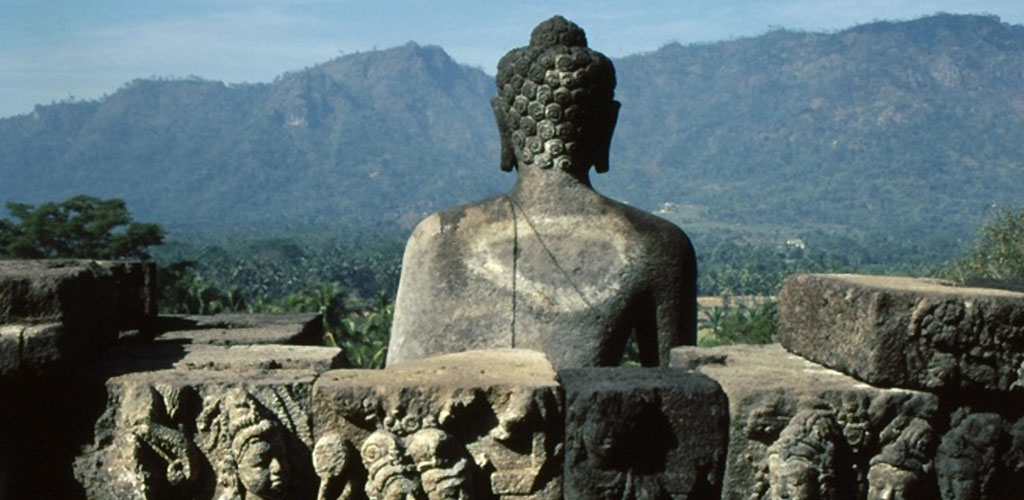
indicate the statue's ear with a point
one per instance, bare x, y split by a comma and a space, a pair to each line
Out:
508, 156
602, 147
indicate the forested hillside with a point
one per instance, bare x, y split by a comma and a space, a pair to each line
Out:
375, 136
887, 126
890, 127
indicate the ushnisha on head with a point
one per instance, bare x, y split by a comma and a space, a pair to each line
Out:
555, 105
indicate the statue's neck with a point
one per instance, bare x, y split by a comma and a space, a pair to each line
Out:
551, 189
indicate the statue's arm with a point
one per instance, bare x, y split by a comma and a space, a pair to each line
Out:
675, 299
413, 291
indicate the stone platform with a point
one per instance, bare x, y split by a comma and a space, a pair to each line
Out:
906, 332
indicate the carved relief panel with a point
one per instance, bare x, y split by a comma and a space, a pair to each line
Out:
854, 444
462, 426
652, 433
202, 435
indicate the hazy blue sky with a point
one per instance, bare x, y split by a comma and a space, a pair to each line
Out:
55, 49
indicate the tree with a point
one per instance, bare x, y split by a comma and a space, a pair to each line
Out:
998, 252
80, 227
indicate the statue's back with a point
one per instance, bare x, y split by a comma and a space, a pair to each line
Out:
573, 285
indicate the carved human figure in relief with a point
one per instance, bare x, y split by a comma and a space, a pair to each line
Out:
901, 470
255, 464
442, 465
802, 462
550, 265
391, 476
624, 441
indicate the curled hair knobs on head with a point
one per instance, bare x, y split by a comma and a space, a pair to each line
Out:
555, 105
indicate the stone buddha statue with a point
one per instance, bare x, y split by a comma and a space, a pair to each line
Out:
551, 265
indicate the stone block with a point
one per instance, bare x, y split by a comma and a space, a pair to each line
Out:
243, 329
636, 432
34, 349
906, 332
45, 345
246, 320
803, 430
476, 424
10, 350
129, 358
78, 293
136, 292
263, 357
202, 434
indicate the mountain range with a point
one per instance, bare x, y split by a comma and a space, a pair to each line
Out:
913, 127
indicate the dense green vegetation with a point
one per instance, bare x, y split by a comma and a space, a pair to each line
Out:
734, 265
351, 282
741, 324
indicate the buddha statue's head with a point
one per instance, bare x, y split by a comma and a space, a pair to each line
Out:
555, 106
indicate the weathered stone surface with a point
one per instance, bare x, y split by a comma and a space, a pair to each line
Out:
242, 329
78, 293
210, 434
10, 350
803, 430
246, 320
136, 292
44, 345
981, 456
163, 355
906, 332
32, 349
478, 424
551, 265
318, 359
633, 432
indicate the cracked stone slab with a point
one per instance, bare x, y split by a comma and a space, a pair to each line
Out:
794, 422
481, 424
636, 432
906, 332
185, 433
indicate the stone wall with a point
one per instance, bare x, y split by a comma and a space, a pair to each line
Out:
491, 424
917, 394
881, 388
86, 364
119, 403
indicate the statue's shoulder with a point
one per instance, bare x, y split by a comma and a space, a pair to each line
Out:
458, 223
653, 230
